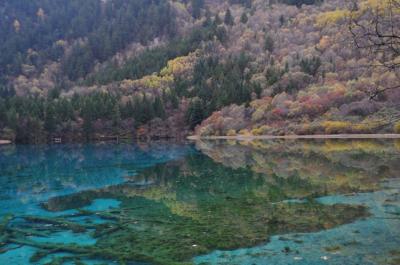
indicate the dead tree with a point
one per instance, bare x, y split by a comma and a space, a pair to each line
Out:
375, 26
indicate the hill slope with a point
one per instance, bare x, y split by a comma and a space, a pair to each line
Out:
164, 68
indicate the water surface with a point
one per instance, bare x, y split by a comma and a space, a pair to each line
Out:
212, 202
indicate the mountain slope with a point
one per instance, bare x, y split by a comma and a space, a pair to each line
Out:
164, 68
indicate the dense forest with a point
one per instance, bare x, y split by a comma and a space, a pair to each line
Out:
84, 70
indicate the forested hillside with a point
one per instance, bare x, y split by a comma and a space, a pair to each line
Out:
83, 70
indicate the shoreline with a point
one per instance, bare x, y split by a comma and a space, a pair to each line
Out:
294, 137
3, 142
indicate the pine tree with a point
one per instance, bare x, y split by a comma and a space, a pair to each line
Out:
244, 18
50, 119
221, 34
228, 20
128, 110
116, 116
35, 131
158, 108
138, 114
173, 98
87, 115
12, 118
269, 43
310, 65
195, 113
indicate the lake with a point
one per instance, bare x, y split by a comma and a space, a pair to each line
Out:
207, 202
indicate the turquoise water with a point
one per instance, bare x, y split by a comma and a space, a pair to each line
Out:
368, 241
30, 174
217, 202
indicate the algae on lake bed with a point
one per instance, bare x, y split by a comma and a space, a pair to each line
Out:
151, 232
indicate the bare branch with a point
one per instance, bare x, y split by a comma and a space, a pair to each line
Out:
376, 29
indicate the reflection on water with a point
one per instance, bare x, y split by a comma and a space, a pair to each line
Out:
256, 202
32, 174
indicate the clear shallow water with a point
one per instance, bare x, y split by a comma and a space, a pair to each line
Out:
368, 241
218, 202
